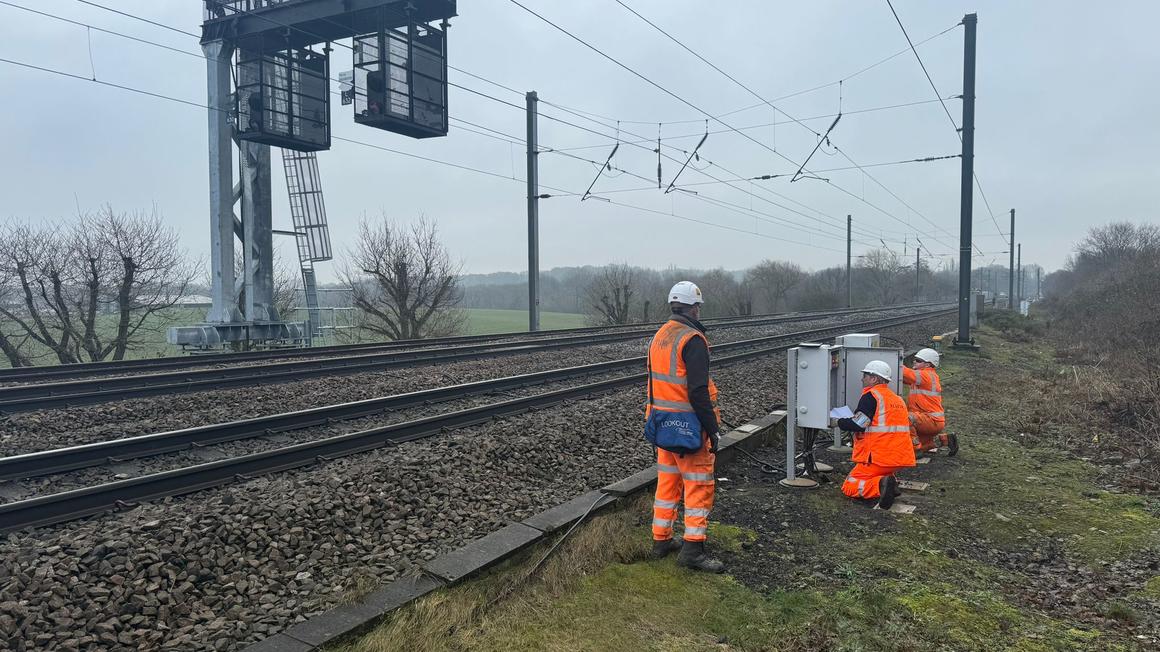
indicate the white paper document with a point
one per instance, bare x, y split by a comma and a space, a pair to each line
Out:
841, 412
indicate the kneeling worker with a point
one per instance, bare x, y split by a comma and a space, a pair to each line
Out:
927, 419
678, 363
882, 443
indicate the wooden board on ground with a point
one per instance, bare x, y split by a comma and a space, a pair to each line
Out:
911, 485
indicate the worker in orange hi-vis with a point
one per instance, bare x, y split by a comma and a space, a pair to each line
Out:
927, 418
882, 443
681, 422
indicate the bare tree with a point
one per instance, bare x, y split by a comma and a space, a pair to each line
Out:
611, 295
11, 343
1111, 245
403, 281
723, 296
880, 273
287, 282
822, 289
92, 291
773, 279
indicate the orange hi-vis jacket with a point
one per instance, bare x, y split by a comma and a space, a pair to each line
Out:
886, 441
668, 380
925, 392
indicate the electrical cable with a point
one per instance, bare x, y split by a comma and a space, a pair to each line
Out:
737, 178
97, 5
415, 156
765, 124
794, 94
280, 24
702, 111
821, 137
958, 132
924, 70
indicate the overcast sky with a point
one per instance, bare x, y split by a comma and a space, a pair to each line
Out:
1065, 131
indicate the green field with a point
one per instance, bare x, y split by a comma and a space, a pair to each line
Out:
483, 321
152, 336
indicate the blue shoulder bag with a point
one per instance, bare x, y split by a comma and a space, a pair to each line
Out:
676, 432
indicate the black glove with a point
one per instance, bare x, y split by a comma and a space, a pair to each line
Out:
714, 440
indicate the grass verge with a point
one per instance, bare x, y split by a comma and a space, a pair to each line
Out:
1015, 547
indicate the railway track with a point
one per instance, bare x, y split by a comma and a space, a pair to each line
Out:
88, 369
49, 395
68, 505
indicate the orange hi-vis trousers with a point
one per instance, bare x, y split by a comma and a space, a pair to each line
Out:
924, 428
692, 476
863, 479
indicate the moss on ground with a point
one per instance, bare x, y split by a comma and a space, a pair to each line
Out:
730, 537
1152, 588
899, 584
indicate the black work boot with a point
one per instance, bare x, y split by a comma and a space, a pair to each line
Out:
888, 488
662, 549
952, 444
693, 556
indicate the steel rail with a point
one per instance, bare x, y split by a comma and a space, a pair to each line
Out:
86, 455
77, 503
86, 369
23, 398
81, 369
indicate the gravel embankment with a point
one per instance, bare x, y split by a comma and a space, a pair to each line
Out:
222, 568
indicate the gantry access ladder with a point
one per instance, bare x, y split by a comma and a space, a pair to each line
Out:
308, 212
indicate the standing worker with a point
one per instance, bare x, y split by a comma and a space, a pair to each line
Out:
927, 419
679, 384
882, 443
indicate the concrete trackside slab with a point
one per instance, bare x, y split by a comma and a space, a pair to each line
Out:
353, 619
750, 436
481, 553
402, 591
279, 643
561, 516
632, 483
317, 631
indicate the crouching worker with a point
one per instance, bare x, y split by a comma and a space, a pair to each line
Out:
927, 419
882, 443
682, 423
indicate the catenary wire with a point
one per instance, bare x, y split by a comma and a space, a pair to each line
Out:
280, 24
398, 152
700, 110
771, 105
958, 132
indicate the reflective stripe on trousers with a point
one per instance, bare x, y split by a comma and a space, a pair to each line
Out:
683, 477
697, 477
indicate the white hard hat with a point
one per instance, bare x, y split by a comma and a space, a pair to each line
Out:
686, 292
927, 355
878, 368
